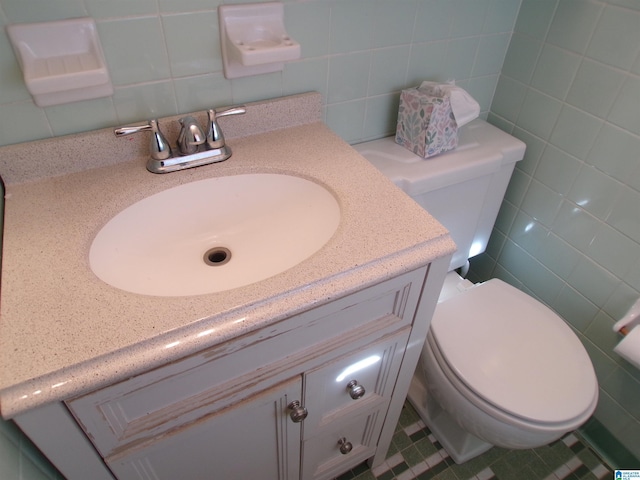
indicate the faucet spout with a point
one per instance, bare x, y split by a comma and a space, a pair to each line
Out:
191, 136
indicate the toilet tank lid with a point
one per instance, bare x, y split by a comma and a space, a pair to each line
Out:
482, 150
515, 353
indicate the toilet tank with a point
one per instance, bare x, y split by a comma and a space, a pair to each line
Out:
462, 188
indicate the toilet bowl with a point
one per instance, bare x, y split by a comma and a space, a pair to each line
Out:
498, 367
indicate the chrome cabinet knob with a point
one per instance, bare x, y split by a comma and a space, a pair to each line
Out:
298, 412
355, 391
345, 447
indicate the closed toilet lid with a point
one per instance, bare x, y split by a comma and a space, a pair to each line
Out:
515, 353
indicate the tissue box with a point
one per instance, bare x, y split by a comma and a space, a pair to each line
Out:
426, 124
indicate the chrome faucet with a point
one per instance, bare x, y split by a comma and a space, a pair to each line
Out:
194, 146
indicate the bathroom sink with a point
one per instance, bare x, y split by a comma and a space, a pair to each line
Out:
214, 235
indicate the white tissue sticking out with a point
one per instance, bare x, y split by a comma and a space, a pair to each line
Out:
629, 346
463, 105
630, 319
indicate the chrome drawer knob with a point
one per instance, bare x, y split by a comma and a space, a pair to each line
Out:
355, 391
298, 412
345, 447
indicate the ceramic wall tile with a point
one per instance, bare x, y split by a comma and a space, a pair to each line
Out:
575, 225
626, 109
501, 16
573, 24
433, 20
182, 6
120, 8
608, 46
348, 76
393, 22
533, 153
561, 258
593, 281
18, 11
490, 55
625, 214
469, 17
13, 118
521, 58
508, 99
94, 114
347, 119
539, 113
554, 71
11, 78
134, 50
192, 54
306, 75
557, 169
595, 87
612, 250
202, 92
380, 116
388, 70
622, 166
351, 26
575, 131
594, 192
258, 87
535, 17
541, 203
137, 102
309, 23
426, 63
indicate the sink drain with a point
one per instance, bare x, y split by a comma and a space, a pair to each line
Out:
217, 256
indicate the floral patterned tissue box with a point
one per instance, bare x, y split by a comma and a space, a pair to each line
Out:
426, 124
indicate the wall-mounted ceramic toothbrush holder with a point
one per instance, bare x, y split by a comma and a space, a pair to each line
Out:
61, 61
254, 40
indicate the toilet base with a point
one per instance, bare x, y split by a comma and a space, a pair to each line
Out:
461, 445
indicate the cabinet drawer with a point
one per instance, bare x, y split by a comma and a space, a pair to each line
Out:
354, 383
322, 457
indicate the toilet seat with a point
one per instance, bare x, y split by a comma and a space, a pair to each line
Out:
515, 354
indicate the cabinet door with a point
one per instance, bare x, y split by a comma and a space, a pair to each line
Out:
254, 439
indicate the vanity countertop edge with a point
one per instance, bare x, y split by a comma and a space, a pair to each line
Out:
64, 332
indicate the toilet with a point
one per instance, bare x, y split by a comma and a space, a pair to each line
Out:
498, 367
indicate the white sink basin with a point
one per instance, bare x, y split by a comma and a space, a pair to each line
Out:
214, 235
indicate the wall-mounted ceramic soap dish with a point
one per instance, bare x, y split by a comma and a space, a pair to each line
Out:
61, 61
254, 40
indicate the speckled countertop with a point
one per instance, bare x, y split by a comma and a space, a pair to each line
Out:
64, 332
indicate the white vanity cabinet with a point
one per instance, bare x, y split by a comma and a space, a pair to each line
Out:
308, 397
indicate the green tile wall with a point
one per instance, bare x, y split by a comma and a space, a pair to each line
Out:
569, 229
164, 59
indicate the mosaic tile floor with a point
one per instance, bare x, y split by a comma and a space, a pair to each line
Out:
416, 454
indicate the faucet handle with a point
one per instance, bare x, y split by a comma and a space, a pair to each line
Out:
215, 137
237, 110
159, 148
